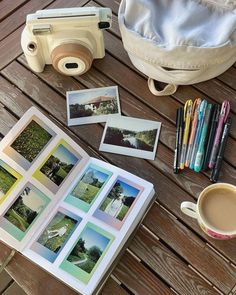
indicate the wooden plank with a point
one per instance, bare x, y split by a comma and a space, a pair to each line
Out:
17, 18
7, 7
139, 279
164, 262
13, 290
228, 77
215, 88
5, 281
10, 47
112, 287
113, 4
185, 243
161, 182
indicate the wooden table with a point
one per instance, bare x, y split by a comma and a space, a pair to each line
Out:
169, 254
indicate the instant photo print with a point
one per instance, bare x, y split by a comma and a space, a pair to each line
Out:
131, 137
29, 143
71, 214
92, 105
88, 187
8, 180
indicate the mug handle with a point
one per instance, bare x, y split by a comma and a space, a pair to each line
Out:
189, 209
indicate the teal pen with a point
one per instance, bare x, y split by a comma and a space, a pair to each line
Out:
200, 153
201, 115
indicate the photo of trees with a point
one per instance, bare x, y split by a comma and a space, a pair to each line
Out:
31, 141
25, 209
57, 232
59, 164
142, 140
119, 200
90, 184
88, 249
6, 181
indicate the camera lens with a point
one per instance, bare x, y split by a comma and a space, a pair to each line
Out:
104, 25
71, 65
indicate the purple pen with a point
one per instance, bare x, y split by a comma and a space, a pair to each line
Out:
224, 112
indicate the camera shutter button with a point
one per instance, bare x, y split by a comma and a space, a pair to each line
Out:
71, 59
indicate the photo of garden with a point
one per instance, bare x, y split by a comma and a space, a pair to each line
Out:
90, 184
25, 209
59, 164
6, 181
31, 141
119, 200
142, 140
57, 232
88, 249
95, 102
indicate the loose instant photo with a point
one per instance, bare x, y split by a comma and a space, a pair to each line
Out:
88, 187
87, 252
22, 214
30, 143
57, 166
8, 180
56, 234
118, 203
131, 136
92, 105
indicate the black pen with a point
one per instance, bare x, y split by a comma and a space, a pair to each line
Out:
178, 141
216, 171
212, 132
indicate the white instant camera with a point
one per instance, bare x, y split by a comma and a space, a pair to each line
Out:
68, 38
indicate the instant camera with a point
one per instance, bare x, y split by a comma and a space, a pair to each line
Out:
68, 38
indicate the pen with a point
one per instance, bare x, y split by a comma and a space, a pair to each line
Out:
179, 125
224, 112
201, 114
216, 171
187, 118
214, 121
195, 111
200, 152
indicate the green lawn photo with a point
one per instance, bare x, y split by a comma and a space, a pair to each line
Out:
6, 181
25, 209
90, 184
59, 164
31, 141
57, 232
119, 200
88, 250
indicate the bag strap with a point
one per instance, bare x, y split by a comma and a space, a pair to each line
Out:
168, 90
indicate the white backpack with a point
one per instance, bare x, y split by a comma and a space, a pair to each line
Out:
179, 42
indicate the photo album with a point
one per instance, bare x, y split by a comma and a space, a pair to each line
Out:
67, 212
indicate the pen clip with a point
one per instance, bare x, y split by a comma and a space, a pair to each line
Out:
195, 108
224, 112
188, 108
202, 109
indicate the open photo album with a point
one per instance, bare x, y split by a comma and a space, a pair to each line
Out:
64, 210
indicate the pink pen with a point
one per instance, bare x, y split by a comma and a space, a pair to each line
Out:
224, 112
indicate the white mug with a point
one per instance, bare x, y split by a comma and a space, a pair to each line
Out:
193, 210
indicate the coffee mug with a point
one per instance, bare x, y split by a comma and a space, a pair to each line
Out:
215, 210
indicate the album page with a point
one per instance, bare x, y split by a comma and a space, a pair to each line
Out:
79, 241
37, 164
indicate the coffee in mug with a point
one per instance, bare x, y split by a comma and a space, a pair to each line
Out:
215, 210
